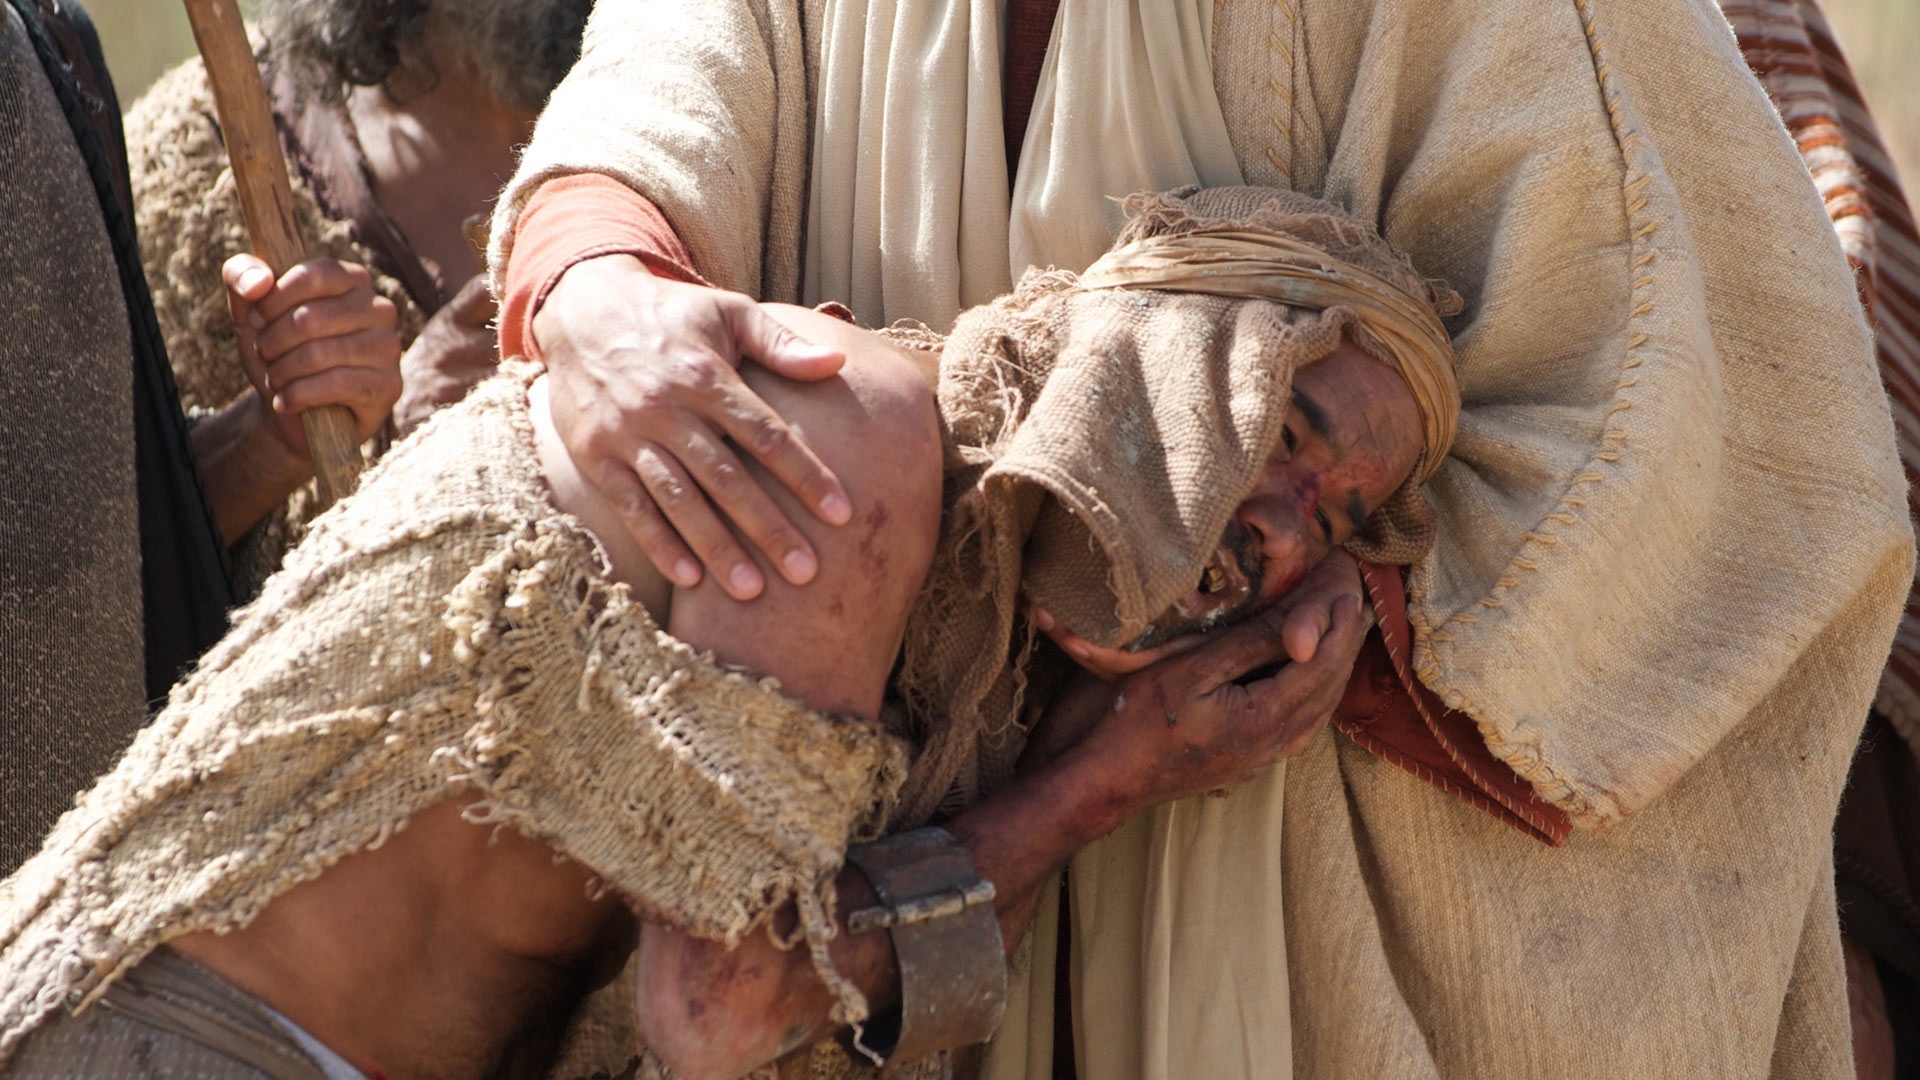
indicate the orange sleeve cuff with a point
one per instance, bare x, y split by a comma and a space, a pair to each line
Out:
568, 221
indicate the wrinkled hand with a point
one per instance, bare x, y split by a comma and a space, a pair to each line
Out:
1307, 607
648, 398
1195, 722
318, 336
456, 349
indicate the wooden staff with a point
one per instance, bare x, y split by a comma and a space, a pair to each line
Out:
266, 202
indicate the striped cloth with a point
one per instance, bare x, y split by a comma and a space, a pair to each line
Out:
1793, 52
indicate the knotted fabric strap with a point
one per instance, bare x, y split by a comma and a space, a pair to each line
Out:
1266, 266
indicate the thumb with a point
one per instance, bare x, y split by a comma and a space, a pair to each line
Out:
781, 351
1307, 624
247, 276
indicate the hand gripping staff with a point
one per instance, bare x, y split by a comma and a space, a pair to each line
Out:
266, 203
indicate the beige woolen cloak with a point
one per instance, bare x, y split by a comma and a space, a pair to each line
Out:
1673, 539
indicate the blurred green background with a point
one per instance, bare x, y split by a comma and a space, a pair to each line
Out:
1882, 39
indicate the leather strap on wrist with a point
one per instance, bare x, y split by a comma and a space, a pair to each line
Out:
946, 939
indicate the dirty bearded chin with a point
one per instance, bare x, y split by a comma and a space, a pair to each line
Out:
1228, 589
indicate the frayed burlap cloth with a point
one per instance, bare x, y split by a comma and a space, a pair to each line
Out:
1102, 431
446, 631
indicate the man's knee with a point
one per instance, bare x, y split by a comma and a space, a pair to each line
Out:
832, 642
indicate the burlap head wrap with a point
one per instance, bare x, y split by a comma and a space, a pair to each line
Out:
1102, 430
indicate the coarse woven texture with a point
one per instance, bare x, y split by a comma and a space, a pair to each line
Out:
1399, 320
187, 210
1098, 443
1793, 52
442, 631
71, 673
1663, 588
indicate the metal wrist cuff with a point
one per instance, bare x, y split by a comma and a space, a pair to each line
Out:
946, 939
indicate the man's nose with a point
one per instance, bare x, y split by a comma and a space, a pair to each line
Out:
1276, 525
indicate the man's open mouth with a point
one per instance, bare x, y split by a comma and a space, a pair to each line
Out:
1223, 586
1223, 595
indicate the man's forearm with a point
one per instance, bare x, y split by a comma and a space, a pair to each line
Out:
247, 469
712, 1011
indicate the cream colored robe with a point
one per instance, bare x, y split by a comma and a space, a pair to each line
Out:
1674, 542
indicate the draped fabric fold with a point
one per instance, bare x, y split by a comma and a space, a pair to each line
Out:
1664, 588
908, 92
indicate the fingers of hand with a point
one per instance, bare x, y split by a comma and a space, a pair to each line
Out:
369, 392
1112, 663
369, 350
644, 521
315, 279
1251, 645
327, 317
1305, 626
764, 339
1296, 700
680, 499
758, 430
246, 276
731, 487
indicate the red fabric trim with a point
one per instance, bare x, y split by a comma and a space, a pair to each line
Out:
1388, 712
568, 221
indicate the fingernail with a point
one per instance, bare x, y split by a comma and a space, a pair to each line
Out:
746, 580
1078, 650
1042, 620
255, 278
835, 509
686, 572
812, 351
800, 567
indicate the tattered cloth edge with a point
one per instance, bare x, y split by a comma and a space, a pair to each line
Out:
968, 658
498, 659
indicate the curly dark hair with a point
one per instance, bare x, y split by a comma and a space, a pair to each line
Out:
522, 47
342, 43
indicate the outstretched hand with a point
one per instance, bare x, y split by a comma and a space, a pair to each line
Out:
648, 398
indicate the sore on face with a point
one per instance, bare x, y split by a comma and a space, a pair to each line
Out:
1352, 436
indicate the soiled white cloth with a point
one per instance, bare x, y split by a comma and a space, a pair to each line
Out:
1673, 535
